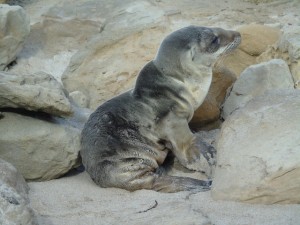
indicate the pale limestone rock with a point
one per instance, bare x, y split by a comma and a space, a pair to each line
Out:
288, 49
258, 152
35, 92
295, 70
109, 66
290, 43
256, 38
39, 149
10, 176
260, 1
255, 80
79, 99
14, 202
14, 29
57, 34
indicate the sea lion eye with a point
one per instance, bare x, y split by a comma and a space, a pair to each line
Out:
215, 41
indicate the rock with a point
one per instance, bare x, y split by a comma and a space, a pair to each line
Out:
39, 149
14, 202
61, 30
238, 61
10, 176
14, 24
258, 151
107, 68
36, 92
79, 99
209, 111
260, 1
256, 38
57, 32
255, 80
290, 43
295, 70
288, 49
110, 62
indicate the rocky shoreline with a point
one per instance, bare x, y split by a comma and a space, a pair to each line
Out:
61, 59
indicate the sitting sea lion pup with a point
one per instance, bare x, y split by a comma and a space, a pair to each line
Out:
127, 139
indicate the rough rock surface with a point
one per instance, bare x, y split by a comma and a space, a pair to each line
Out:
256, 38
115, 40
259, 151
36, 92
288, 49
290, 43
255, 80
39, 149
14, 202
101, 72
15, 27
57, 35
79, 99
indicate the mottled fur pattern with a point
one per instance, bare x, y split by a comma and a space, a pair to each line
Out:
127, 139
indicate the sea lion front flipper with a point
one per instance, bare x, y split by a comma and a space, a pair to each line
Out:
185, 146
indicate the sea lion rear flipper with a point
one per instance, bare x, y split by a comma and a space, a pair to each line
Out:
174, 184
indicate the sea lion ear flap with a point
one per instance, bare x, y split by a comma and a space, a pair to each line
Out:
192, 52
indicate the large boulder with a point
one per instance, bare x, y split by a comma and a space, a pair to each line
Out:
107, 68
290, 43
209, 111
60, 29
14, 202
258, 151
255, 80
57, 35
40, 149
256, 38
14, 27
36, 92
288, 49
109, 63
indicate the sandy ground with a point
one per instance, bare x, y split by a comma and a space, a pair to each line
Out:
77, 200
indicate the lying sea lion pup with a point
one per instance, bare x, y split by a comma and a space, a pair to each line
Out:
127, 139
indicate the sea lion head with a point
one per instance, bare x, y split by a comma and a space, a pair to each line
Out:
194, 47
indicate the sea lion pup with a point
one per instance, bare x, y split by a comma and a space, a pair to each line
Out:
127, 139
